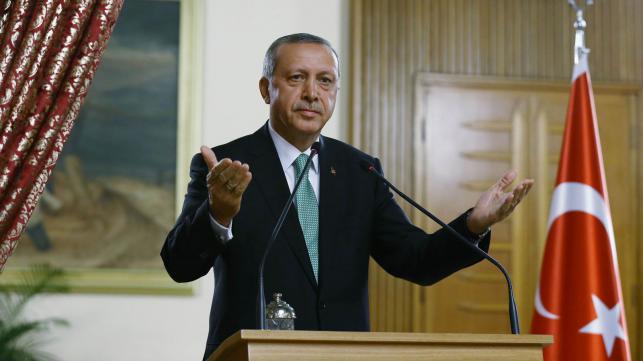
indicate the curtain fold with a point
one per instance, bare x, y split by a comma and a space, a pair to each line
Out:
49, 52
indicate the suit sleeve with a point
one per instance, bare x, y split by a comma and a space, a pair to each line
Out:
408, 252
192, 245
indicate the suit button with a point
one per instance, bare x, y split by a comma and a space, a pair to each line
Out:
322, 306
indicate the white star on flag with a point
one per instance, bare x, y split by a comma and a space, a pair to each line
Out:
607, 324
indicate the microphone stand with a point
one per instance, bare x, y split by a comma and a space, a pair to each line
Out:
513, 311
261, 297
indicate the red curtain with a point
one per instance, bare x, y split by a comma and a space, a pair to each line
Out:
49, 52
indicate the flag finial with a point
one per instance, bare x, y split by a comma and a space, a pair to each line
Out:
579, 24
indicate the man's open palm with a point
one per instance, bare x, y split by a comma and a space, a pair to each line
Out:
497, 202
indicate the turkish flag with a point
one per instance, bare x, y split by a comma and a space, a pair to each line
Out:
579, 298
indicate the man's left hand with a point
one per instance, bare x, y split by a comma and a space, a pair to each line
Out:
497, 202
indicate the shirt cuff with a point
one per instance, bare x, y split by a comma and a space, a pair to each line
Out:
223, 233
475, 238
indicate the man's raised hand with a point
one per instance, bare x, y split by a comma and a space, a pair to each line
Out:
497, 202
226, 180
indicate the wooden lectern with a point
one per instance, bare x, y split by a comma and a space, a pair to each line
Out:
255, 345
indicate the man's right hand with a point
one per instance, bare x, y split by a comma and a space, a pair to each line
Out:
227, 180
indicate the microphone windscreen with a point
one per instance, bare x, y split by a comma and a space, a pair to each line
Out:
316, 146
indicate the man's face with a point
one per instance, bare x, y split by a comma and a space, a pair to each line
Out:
302, 90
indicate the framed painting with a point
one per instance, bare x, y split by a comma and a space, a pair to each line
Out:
119, 181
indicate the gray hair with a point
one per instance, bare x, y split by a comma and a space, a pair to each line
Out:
270, 59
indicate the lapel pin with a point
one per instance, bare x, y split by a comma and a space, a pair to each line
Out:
333, 171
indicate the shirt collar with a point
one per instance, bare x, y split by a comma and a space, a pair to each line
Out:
288, 153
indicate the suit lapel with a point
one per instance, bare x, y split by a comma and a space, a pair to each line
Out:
271, 181
332, 201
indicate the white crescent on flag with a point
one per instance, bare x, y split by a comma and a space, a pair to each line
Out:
540, 308
574, 196
579, 197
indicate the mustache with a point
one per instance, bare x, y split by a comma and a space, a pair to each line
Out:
315, 107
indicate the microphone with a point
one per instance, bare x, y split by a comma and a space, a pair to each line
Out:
261, 297
513, 311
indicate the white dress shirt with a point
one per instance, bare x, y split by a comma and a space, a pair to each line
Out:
287, 154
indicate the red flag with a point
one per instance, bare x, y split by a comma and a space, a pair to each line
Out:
579, 298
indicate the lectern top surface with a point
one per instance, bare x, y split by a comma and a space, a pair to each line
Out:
395, 337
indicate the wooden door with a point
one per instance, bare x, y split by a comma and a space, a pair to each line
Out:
468, 131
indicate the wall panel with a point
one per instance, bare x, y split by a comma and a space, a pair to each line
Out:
393, 41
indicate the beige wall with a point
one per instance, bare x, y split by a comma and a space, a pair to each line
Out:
175, 328
238, 40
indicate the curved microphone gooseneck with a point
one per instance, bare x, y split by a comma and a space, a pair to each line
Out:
513, 311
261, 297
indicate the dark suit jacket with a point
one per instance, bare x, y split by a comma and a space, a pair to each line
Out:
358, 218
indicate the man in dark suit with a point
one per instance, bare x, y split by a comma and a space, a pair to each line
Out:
342, 215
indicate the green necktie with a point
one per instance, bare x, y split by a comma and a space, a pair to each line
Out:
308, 211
